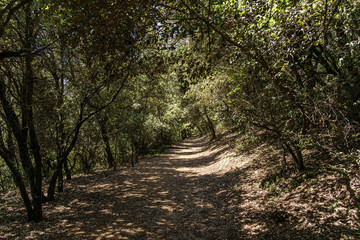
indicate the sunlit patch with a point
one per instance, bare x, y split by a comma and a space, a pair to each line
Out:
106, 211
254, 227
205, 205
202, 193
102, 186
74, 201
225, 163
133, 231
152, 178
62, 208
64, 222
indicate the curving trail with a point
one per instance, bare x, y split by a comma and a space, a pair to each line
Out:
195, 190
164, 197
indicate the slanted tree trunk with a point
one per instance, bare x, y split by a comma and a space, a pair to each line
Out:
9, 159
61, 159
21, 139
21, 130
65, 153
284, 164
21, 185
294, 150
300, 159
183, 134
60, 148
210, 124
296, 155
198, 128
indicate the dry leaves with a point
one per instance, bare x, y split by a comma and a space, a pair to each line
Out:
194, 191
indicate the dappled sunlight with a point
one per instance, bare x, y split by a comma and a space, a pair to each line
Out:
225, 164
213, 161
155, 200
206, 192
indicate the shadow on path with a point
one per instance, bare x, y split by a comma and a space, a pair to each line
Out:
157, 200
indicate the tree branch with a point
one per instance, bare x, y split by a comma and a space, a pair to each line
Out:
9, 54
11, 13
82, 120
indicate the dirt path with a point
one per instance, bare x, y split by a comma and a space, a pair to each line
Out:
161, 198
187, 193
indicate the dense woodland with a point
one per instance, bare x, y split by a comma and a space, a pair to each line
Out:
99, 83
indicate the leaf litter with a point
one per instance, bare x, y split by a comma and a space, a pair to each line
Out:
196, 190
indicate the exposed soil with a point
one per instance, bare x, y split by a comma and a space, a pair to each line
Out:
195, 190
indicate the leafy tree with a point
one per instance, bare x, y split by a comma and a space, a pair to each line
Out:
281, 57
135, 76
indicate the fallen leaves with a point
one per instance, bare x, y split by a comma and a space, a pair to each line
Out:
194, 191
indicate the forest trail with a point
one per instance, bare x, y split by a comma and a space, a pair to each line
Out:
195, 190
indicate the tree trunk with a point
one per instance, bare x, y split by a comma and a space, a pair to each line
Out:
183, 134
26, 106
133, 154
67, 170
62, 159
31, 213
56, 175
198, 128
60, 180
301, 165
21, 139
66, 152
8, 157
34, 144
211, 126
297, 156
284, 164
52, 184
105, 137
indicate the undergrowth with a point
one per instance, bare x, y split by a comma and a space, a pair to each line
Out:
334, 182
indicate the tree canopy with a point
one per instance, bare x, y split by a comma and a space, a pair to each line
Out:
87, 84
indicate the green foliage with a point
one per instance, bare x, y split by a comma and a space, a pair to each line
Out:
352, 234
93, 79
284, 69
274, 183
6, 180
279, 181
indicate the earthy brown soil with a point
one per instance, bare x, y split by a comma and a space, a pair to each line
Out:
196, 190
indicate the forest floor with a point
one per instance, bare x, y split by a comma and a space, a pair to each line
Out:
196, 190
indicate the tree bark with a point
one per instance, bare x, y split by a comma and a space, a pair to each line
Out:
60, 180
210, 125
8, 157
284, 157
61, 160
21, 185
67, 170
27, 101
198, 128
21, 138
105, 138
297, 156
76, 131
